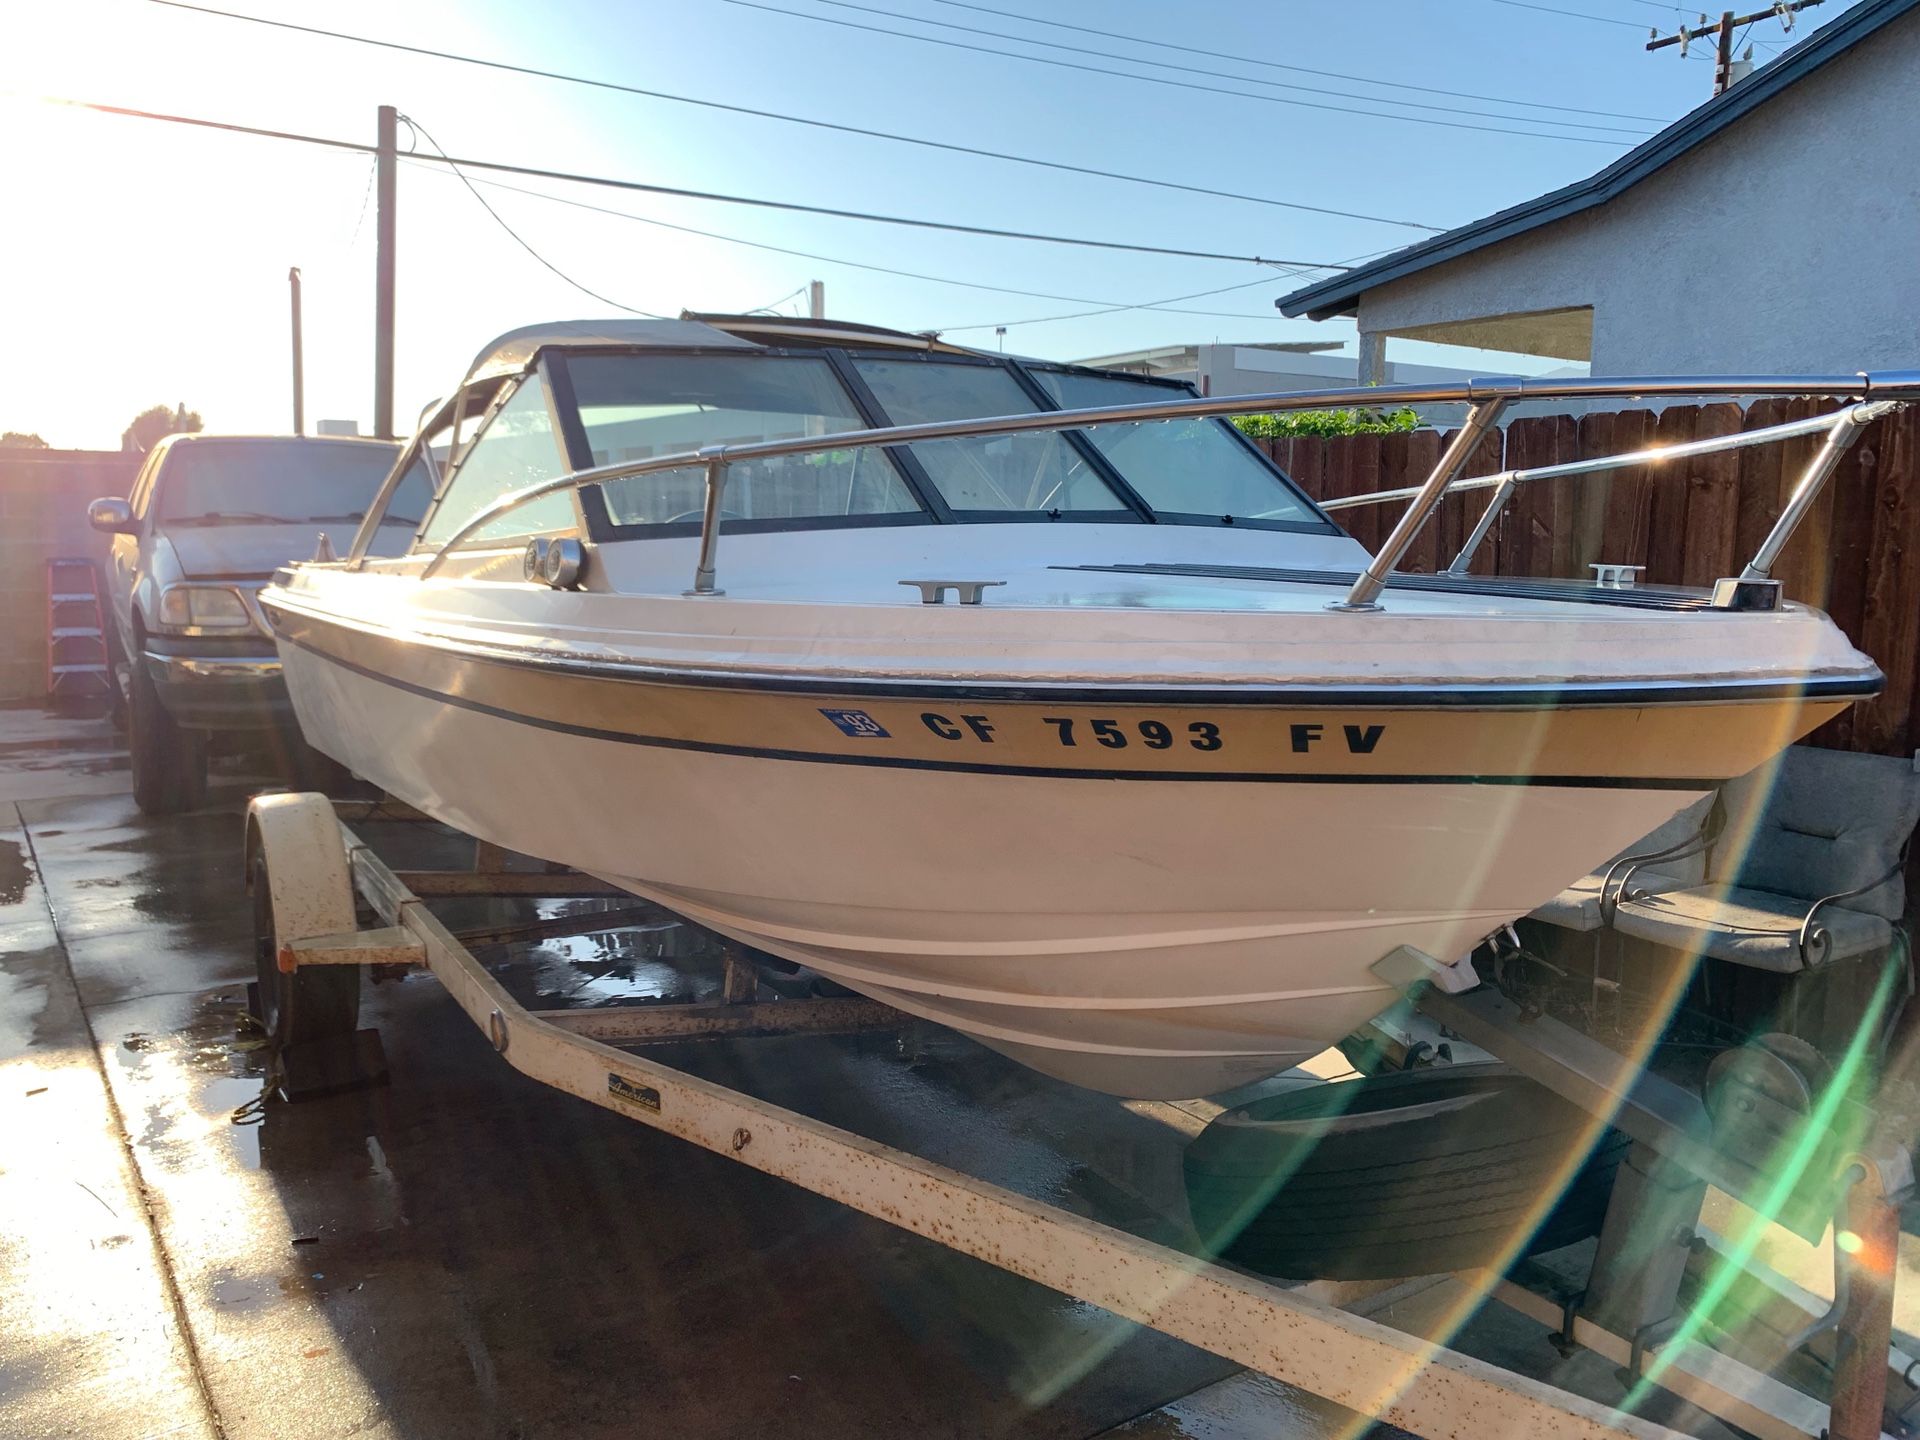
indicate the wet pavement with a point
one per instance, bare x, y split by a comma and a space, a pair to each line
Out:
464, 1253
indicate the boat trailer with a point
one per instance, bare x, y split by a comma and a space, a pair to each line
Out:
1319, 1337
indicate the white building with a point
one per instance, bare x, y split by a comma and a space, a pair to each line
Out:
1273, 366
1263, 367
1776, 229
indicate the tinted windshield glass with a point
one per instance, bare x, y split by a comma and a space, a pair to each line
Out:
1179, 467
1037, 471
268, 481
514, 449
637, 406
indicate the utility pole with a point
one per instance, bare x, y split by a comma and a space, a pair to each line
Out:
817, 299
387, 163
299, 365
1723, 33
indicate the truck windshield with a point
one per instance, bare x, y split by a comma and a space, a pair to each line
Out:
270, 482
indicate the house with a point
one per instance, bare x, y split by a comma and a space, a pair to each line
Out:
1261, 367
1776, 229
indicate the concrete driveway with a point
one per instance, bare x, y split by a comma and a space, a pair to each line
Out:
463, 1253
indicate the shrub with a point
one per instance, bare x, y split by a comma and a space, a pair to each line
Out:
1327, 422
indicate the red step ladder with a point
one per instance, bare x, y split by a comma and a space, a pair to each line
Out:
77, 662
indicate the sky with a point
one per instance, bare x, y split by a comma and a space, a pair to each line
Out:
146, 263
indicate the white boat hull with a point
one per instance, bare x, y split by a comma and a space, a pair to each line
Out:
1156, 940
1146, 834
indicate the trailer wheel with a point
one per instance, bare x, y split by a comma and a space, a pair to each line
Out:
301, 888
1412, 1173
318, 1002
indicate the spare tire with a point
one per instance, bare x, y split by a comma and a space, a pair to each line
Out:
1412, 1173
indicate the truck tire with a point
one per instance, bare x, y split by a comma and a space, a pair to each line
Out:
169, 760
1413, 1173
316, 1002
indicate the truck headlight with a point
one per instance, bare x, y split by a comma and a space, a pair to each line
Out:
203, 607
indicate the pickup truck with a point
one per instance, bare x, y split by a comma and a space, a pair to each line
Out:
208, 520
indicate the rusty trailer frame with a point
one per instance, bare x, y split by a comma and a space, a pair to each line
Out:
317, 866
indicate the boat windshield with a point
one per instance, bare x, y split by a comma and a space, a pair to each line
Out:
1039, 471
636, 406
1179, 467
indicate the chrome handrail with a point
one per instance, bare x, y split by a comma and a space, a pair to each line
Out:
1487, 396
1840, 425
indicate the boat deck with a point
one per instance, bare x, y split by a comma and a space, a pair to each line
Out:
1632, 597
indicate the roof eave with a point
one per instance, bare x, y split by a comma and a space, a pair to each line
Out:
1340, 294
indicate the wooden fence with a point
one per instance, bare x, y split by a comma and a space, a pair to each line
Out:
1856, 556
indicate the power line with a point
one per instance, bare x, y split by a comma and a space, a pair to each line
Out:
860, 264
1196, 70
1158, 305
608, 182
1573, 14
1106, 310
520, 240
770, 307
1163, 80
870, 134
1302, 69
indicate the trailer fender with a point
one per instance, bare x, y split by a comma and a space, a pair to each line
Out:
306, 865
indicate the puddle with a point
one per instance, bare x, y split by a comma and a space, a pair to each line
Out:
19, 1011
219, 1048
250, 1292
29, 748
644, 962
16, 874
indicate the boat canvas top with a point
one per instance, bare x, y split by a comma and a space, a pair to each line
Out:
513, 352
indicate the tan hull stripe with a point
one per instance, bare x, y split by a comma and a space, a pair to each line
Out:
1639, 745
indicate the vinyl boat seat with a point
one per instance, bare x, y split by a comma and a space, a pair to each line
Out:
1680, 862
1806, 870
1754, 928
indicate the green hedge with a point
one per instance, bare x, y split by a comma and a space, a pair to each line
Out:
1327, 422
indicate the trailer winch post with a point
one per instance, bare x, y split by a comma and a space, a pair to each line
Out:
1870, 1243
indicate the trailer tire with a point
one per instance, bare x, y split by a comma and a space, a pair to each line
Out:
319, 1002
1412, 1173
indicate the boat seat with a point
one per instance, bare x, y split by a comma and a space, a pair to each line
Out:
1806, 870
1581, 907
1755, 928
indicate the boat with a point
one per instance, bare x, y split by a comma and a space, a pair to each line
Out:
1032, 700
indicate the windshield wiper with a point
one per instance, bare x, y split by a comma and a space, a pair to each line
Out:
231, 517
356, 516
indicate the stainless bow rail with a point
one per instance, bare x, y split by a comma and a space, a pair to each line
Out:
1487, 400
1841, 427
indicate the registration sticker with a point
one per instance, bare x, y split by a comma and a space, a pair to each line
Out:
857, 723
624, 1090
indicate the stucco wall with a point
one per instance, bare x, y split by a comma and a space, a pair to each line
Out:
43, 513
1788, 242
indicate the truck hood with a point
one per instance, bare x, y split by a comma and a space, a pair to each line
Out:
254, 552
